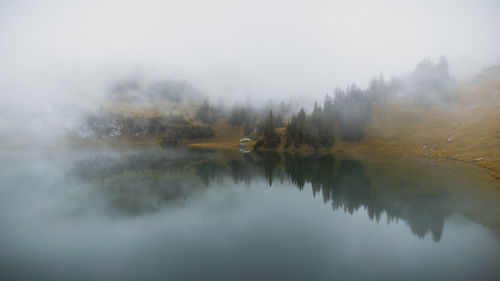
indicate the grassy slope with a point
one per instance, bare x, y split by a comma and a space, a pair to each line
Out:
226, 136
468, 131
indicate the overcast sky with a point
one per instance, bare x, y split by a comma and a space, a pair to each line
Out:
56, 50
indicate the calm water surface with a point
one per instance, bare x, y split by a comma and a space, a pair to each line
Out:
159, 214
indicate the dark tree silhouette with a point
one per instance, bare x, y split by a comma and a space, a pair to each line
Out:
271, 137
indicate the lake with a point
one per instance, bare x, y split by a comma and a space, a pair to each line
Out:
146, 213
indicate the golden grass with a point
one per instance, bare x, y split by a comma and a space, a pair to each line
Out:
149, 110
469, 131
226, 136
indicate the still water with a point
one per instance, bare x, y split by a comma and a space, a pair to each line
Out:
155, 214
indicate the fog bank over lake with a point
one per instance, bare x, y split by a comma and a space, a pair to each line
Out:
148, 213
249, 140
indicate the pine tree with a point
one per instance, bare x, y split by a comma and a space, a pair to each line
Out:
328, 107
316, 115
312, 133
271, 137
327, 132
301, 130
205, 113
291, 131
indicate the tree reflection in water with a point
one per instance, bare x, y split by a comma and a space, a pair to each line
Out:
144, 181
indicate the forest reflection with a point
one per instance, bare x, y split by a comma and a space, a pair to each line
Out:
142, 182
342, 184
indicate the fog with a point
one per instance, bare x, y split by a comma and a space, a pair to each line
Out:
59, 59
65, 216
95, 210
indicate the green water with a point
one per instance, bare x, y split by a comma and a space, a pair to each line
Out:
155, 214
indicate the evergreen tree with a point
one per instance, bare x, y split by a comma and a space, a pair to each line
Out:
291, 131
301, 130
353, 111
271, 137
311, 133
326, 132
328, 108
205, 113
316, 115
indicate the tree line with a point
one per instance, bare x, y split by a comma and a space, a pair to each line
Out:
349, 111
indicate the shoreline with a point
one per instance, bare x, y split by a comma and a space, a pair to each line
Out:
358, 148
365, 146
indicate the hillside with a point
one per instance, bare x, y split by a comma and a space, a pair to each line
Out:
468, 130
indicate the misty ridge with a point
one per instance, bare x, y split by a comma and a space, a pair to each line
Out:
249, 140
178, 110
430, 84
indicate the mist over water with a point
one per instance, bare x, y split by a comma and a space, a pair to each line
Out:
146, 213
78, 79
